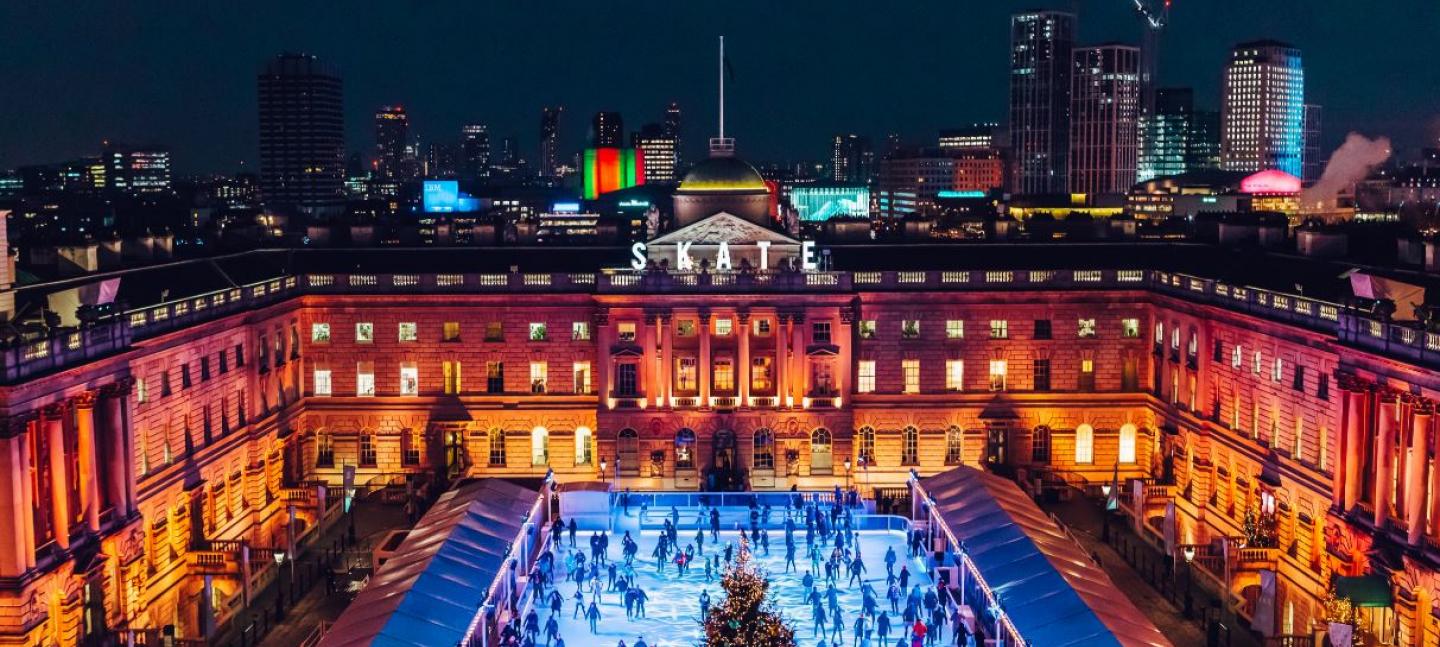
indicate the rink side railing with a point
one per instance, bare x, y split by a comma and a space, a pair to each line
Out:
509, 595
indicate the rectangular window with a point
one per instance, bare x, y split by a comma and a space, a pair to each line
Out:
910, 329
866, 378
724, 375
1085, 445
494, 377
625, 331
365, 379
1042, 329
911, 370
142, 393
820, 332
184, 376
999, 329
1298, 383
497, 447
537, 331
450, 372
760, 377
1277, 370
910, 446
867, 329
367, 450
1323, 390
579, 331
997, 374
1042, 375
204, 369
954, 375
539, 376
724, 327
494, 331
450, 331
627, 383
224, 363
1087, 375
822, 377
1130, 328
581, 373
1235, 354
322, 382
364, 332
685, 328
1255, 364
409, 379
762, 327
954, 328
320, 333
685, 374
409, 331
1085, 328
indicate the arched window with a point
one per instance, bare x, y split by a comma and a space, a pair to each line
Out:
496, 440
627, 452
954, 446
1040, 445
685, 449
324, 449
584, 446
1084, 444
910, 446
367, 449
764, 449
820, 457
1127, 443
539, 446
866, 451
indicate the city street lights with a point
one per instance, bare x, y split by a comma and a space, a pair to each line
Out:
847, 473
1105, 514
279, 556
602, 470
1189, 552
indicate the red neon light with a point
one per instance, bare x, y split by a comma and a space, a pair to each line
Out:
607, 167
1270, 182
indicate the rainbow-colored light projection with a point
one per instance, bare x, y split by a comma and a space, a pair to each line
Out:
611, 169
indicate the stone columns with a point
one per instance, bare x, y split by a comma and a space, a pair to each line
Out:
53, 426
649, 370
21, 431
667, 360
1384, 457
705, 364
606, 375
796, 334
845, 363
13, 505
742, 364
119, 460
782, 385
1354, 450
89, 458
1415, 476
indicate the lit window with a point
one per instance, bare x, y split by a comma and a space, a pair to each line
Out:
320, 333
997, 374
579, 331
1127, 443
322, 382
365, 379
451, 331
760, 380
954, 375
724, 326
1159, 333
1084, 444
494, 377
911, 369
999, 329
626, 331
685, 328
494, 331
408, 331
537, 331
409, 379
910, 329
1277, 370
866, 381
685, 374
364, 332
867, 329
724, 375
581, 371
1086, 328
539, 375
1235, 354
450, 371
1087, 375
762, 327
954, 329
1255, 364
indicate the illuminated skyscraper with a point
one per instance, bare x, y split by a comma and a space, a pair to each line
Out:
658, 151
475, 150
302, 132
672, 128
852, 159
550, 141
392, 131
1104, 115
1263, 109
607, 130
977, 137
1177, 137
134, 171
1311, 161
1040, 64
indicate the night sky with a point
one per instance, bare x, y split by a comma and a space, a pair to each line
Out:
182, 74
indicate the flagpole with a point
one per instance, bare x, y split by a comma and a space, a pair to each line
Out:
722, 87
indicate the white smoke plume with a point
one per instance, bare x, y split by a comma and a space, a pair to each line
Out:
1349, 164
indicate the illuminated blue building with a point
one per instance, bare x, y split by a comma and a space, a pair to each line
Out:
1264, 109
821, 203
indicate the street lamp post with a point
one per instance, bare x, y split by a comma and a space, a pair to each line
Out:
847, 473
1105, 514
279, 556
1189, 552
602, 470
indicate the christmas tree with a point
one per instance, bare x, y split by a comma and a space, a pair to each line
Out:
745, 618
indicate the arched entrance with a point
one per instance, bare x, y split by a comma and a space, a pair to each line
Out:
724, 473
821, 461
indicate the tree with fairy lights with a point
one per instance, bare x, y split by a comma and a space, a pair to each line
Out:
746, 618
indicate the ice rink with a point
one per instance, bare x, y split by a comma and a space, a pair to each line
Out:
673, 611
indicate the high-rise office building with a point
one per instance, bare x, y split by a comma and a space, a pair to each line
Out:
392, 134
130, 171
1104, 119
672, 128
475, 150
910, 181
1041, 45
976, 137
1203, 145
658, 151
442, 160
549, 141
302, 132
1165, 134
852, 159
607, 130
1263, 109
1311, 163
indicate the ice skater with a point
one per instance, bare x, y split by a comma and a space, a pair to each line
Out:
593, 615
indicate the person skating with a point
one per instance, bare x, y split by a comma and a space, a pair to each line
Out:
552, 629
532, 624
556, 602
857, 570
704, 604
882, 627
593, 614
818, 613
837, 626
890, 560
714, 525
572, 530
641, 642
640, 598
904, 577
579, 599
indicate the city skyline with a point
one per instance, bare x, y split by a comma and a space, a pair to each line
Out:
174, 90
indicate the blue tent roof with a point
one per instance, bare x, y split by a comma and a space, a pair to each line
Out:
428, 593
1046, 584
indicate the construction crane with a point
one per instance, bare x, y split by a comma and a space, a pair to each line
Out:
1153, 21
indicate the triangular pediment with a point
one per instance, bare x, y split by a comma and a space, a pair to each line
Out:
724, 228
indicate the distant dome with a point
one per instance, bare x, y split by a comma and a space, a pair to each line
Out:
723, 174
